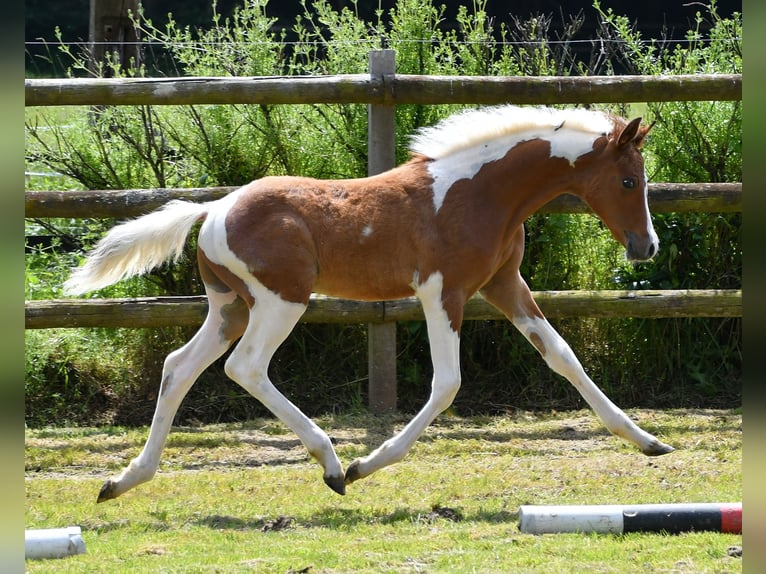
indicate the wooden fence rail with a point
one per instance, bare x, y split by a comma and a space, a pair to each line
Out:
663, 197
385, 89
191, 310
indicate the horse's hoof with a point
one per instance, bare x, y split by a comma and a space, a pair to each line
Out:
336, 483
107, 492
352, 472
657, 449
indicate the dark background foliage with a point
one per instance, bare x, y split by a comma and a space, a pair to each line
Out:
654, 18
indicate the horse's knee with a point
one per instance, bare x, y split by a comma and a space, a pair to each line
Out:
444, 392
169, 386
172, 360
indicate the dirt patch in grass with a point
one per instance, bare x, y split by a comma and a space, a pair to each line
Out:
89, 451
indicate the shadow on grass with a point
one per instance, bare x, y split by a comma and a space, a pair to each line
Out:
357, 436
349, 517
346, 518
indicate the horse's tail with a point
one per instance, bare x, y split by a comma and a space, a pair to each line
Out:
137, 246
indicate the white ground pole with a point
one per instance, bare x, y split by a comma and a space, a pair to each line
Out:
53, 542
621, 518
604, 519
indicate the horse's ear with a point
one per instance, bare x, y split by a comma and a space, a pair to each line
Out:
642, 133
629, 133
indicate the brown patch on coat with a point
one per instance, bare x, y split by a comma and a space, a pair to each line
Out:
537, 341
235, 319
235, 315
356, 239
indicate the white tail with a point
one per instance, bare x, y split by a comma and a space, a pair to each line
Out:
137, 246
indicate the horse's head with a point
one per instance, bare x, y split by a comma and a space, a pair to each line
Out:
618, 190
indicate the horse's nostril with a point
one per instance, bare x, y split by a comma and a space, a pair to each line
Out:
652, 250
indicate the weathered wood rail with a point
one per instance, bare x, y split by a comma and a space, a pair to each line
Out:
385, 89
663, 197
191, 310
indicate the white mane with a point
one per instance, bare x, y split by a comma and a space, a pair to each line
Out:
472, 127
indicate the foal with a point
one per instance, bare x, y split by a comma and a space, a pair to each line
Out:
443, 226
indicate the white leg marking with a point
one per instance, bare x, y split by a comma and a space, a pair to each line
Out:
271, 321
181, 369
445, 355
560, 357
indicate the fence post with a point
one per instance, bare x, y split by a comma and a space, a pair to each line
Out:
112, 31
381, 337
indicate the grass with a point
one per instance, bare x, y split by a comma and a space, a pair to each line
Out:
246, 498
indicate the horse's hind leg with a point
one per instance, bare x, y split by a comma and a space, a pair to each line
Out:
509, 293
225, 322
271, 321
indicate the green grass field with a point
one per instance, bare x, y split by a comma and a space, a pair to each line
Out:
246, 497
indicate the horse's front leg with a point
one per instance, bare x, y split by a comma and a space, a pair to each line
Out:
444, 341
510, 294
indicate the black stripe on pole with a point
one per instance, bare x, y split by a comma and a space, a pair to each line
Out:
672, 518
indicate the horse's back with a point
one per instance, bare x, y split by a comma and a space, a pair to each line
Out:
355, 238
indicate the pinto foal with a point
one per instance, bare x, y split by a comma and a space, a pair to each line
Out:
443, 226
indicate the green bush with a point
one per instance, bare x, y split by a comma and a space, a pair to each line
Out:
691, 142
76, 376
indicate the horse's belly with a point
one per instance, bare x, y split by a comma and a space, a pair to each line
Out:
364, 283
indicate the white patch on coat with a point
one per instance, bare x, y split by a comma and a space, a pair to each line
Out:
650, 225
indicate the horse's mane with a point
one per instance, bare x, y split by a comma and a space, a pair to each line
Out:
472, 127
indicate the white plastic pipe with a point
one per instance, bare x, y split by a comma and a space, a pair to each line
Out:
605, 519
53, 542
619, 518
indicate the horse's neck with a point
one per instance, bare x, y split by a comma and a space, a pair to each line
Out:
527, 177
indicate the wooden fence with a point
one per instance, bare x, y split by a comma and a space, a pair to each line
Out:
382, 89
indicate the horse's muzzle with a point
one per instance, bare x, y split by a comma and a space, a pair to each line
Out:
640, 248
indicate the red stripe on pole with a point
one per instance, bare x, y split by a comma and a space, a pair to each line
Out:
731, 518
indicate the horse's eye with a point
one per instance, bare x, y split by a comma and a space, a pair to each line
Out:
629, 183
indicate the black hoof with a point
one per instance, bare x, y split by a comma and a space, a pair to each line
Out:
658, 449
352, 472
107, 492
336, 483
